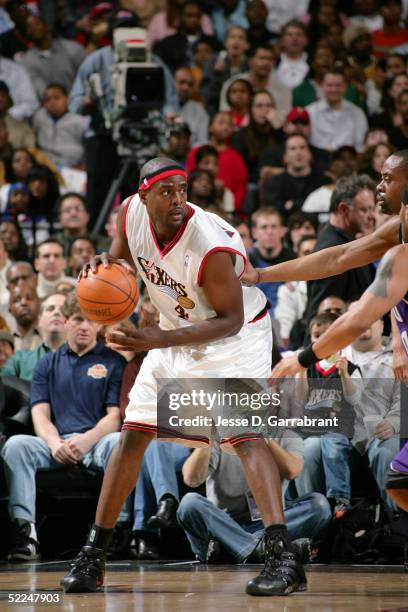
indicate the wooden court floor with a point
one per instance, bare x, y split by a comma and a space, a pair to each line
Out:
189, 587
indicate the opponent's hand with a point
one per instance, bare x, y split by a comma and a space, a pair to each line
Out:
62, 453
289, 366
138, 340
251, 276
384, 430
105, 259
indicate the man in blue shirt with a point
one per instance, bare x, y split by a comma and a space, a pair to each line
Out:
75, 412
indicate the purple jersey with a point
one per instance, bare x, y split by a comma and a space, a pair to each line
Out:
401, 316
400, 461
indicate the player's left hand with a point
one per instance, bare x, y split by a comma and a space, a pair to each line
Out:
137, 340
384, 430
286, 367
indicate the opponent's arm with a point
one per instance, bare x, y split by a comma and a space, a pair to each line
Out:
333, 260
388, 288
399, 356
223, 291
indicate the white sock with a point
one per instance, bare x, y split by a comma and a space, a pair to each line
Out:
33, 532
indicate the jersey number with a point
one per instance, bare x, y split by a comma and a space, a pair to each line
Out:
181, 312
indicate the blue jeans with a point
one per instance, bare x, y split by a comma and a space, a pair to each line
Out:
380, 453
202, 520
158, 477
25, 455
326, 468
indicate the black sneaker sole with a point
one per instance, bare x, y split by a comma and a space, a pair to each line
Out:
74, 585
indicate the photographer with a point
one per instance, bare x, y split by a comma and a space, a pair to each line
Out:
100, 150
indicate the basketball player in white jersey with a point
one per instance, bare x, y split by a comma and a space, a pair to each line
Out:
210, 327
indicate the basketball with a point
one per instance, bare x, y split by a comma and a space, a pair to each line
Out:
108, 296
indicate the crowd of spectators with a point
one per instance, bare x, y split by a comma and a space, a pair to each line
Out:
283, 112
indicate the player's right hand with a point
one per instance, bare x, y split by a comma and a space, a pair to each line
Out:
105, 259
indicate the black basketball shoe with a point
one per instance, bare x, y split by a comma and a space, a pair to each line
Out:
87, 571
283, 572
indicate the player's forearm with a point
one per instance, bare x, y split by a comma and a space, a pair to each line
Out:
203, 332
311, 267
341, 333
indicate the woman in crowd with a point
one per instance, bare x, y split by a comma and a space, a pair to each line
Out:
13, 240
262, 132
372, 160
239, 95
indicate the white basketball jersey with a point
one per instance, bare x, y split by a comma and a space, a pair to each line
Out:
173, 274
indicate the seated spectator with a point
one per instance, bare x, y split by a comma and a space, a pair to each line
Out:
166, 22
300, 224
272, 159
239, 96
20, 272
207, 159
332, 304
244, 231
263, 132
204, 49
157, 495
74, 219
51, 327
372, 159
19, 132
399, 134
12, 38
81, 251
24, 307
19, 83
228, 517
391, 34
334, 120
18, 209
375, 136
223, 66
232, 170
391, 117
50, 265
292, 62
262, 75
227, 13
377, 415
268, 232
176, 50
6, 346
59, 133
395, 64
76, 418
259, 34
50, 60
328, 388
191, 112
13, 240
292, 296
310, 89
365, 12
318, 201
5, 154
178, 143
44, 191
5, 264
21, 163
111, 227
288, 191
96, 32
201, 188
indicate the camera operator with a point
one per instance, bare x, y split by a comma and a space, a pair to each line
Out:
100, 150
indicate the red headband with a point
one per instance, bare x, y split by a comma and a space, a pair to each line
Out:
149, 181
